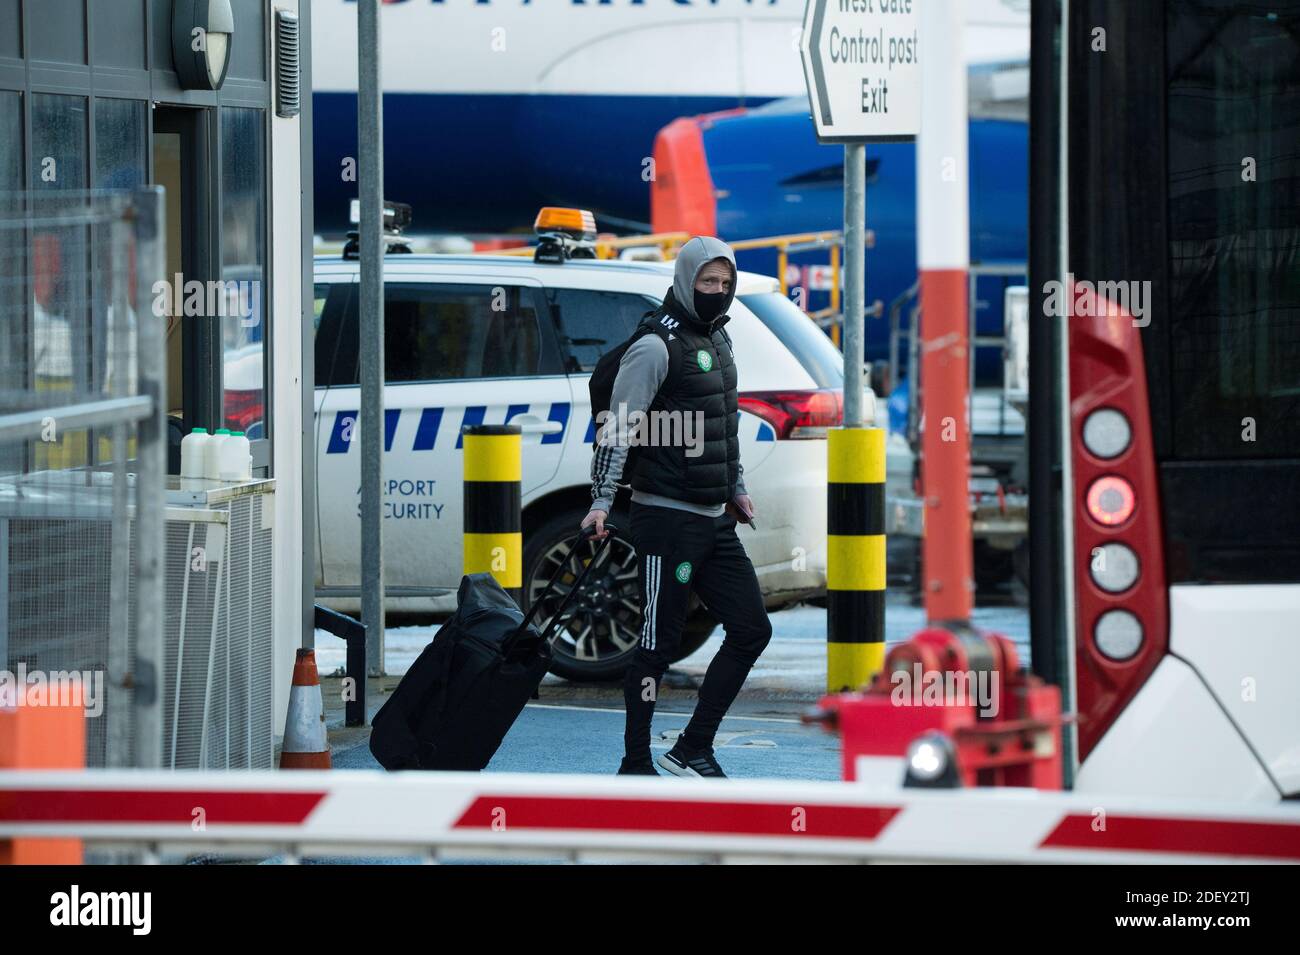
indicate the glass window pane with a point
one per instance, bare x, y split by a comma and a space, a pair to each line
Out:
168, 173
13, 257
11, 141
592, 322
13, 244
11, 31
119, 143
797, 332
440, 332
336, 335
320, 293
243, 268
60, 329
1234, 245
120, 133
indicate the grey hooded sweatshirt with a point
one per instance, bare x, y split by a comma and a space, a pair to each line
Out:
642, 371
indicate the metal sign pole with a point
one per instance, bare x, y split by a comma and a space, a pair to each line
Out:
150, 485
370, 179
855, 215
117, 743
861, 73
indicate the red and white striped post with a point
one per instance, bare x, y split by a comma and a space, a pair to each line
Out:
943, 257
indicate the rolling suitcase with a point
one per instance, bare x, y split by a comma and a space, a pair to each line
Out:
455, 705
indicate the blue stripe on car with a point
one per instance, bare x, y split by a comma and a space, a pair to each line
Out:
514, 410
430, 423
426, 434
338, 443
391, 417
473, 415
560, 413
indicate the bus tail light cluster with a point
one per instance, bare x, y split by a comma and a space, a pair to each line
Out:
1120, 593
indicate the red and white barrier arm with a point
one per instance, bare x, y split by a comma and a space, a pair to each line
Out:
312, 813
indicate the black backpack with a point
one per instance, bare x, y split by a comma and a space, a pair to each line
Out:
601, 385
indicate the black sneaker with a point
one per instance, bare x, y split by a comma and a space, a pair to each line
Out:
640, 767
685, 762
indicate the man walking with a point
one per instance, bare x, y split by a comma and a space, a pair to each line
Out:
686, 503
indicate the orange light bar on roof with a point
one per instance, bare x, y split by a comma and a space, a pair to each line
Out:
577, 223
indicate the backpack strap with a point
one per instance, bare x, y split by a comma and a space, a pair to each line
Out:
674, 346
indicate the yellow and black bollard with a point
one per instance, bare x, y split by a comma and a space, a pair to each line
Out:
493, 530
855, 557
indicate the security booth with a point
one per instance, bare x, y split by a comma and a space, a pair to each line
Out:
153, 167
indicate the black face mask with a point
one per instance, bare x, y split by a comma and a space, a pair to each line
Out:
708, 305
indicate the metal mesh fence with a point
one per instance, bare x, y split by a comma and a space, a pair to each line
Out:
243, 655
82, 461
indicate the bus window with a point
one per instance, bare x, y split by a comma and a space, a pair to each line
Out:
1227, 357
1234, 235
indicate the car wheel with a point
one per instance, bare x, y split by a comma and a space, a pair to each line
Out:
604, 620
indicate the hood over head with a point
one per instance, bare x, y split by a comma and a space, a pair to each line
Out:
693, 256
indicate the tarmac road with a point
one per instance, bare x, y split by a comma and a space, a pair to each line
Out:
578, 728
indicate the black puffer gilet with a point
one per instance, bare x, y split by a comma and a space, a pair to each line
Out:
707, 385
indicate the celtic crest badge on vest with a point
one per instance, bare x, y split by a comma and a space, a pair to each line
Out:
704, 360
683, 572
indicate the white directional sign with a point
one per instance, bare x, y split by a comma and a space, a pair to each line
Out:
860, 61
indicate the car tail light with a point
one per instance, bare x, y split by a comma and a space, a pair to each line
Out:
796, 414
243, 409
1111, 500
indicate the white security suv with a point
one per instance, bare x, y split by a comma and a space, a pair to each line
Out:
494, 339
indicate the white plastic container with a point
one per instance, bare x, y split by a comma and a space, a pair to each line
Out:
193, 456
236, 458
212, 454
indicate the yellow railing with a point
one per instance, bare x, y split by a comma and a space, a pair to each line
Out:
667, 244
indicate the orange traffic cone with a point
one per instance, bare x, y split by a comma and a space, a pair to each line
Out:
305, 745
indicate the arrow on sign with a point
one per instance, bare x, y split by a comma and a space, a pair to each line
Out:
818, 8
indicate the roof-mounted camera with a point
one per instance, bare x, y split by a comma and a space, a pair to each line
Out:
397, 218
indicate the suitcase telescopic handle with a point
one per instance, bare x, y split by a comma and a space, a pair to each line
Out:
585, 534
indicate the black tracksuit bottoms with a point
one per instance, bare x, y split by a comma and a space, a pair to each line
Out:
679, 552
